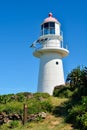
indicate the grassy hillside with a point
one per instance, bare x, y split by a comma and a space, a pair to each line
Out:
36, 103
46, 112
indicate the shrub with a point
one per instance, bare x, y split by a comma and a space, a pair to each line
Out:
56, 90
83, 120
46, 106
13, 124
44, 95
77, 113
37, 106
63, 92
13, 107
34, 107
84, 100
20, 97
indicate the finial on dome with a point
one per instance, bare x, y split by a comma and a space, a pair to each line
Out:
50, 14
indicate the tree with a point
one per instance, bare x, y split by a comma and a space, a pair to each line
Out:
83, 85
78, 79
74, 78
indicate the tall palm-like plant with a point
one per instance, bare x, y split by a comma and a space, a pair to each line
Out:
78, 79
83, 86
74, 78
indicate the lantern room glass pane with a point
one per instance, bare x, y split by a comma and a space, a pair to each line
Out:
48, 28
46, 31
52, 24
46, 25
52, 31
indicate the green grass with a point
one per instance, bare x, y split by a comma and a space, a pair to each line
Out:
50, 123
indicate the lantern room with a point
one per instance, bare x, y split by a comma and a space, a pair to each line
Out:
50, 26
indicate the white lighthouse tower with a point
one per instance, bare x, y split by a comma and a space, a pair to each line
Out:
49, 48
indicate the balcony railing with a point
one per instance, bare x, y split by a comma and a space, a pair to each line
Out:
40, 46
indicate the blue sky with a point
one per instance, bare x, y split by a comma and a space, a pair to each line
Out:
20, 25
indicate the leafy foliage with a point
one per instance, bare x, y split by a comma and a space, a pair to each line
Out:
74, 78
43, 95
76, 89
77, 114
36, 103
13, 107
13, 124
78, 79
77, 111
63, 92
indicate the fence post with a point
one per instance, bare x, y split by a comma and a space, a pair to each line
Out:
25, 109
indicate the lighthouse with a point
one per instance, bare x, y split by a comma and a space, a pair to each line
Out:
50, 50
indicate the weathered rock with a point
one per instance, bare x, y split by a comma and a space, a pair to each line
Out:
14, 97
3, 114
41, 98
42, 115
6, 119
32, 117
29, 96
3, 118
15, 117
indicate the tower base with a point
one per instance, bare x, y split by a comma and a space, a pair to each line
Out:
50, 72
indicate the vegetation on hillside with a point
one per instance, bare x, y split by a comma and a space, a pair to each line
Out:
13, 103
76, 90
67, 105
38, 102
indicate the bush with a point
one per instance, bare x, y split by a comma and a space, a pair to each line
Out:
44, 95
20, 97
84, 100
63, 92
37, 106
83, 120
46, 106
77, 113
34, 107
13, 107
77, 110
13, 124
57, 89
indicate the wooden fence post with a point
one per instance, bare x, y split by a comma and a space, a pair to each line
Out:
25, 110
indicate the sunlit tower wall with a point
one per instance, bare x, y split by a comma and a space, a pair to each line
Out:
49, 48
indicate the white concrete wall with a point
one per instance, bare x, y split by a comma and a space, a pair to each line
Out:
52, 43
57, 29
50, 74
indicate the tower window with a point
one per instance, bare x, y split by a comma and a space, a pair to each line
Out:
56, 62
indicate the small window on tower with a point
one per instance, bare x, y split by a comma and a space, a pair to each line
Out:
56, 62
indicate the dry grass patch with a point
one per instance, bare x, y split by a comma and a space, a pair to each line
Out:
50, 123
57, 101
